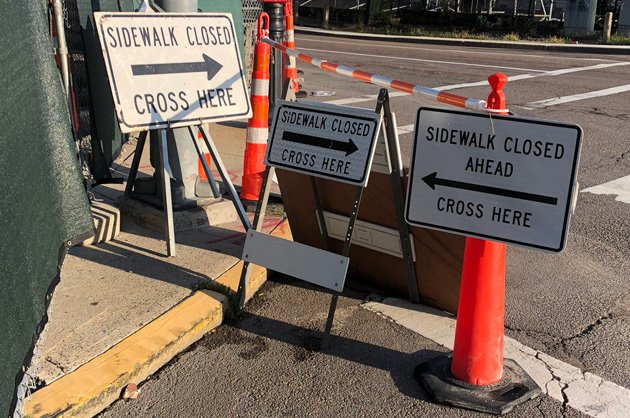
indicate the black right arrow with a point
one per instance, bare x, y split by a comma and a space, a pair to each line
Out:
208, 65
347, 147
432, 180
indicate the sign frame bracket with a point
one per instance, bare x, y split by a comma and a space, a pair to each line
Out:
345, 252
261, 208
383, 106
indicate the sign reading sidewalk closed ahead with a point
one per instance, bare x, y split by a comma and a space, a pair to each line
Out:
172, 69
500, 178
328, 141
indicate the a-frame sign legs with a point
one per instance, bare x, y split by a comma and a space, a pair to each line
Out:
345, 252
211, 181
133, 171
261, 207
259, 217
164, 170
214, 153
399, 197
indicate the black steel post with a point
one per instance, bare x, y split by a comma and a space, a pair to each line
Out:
275, 10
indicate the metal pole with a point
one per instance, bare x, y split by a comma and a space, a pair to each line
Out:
275, 10
62, 47
167, 201
182, 153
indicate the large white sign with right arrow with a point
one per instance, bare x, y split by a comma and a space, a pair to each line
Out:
501, 178
173, 69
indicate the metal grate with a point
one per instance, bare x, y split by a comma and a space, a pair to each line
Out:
79, 83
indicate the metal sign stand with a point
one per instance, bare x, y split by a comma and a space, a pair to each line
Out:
164, 169
391, 141
390, 132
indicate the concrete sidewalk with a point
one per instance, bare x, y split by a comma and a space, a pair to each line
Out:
123, 309
479, 43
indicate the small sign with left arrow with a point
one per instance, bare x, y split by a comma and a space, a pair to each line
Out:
323, 140
173, 69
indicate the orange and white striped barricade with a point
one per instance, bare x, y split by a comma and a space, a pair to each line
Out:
383, 81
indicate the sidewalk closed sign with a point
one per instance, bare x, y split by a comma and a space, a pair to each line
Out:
173, 69
327, 141
501, 178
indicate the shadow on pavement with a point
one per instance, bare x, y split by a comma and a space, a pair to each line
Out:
399, 365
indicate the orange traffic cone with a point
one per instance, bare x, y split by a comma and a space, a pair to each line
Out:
477, 377
258, 125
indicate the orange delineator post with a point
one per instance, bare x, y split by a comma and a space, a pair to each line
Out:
478, 349
289, 41
258, 124
206, 154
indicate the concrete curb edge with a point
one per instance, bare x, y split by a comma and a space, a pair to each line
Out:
540, 46
95, 385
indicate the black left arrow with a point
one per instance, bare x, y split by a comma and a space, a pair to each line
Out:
432, 180
347, 147
208, 65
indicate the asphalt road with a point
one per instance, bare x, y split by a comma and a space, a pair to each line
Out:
574, 306
268, 364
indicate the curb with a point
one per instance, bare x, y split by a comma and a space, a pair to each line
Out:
540, 46
95, 385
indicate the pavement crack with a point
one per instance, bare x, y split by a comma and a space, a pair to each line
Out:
623, 156
600, 112
590, 328
535, 334
563, 385
56, 364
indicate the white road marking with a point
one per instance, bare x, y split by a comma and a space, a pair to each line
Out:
619, 187
365, 98
466, 64
406, 129
551, 73
483, 83
575, 97
386, 45
584, 391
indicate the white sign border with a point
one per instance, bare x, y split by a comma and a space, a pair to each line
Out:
98, 16
570, 195
326, 108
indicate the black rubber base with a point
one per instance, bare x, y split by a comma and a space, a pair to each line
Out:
515, 388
